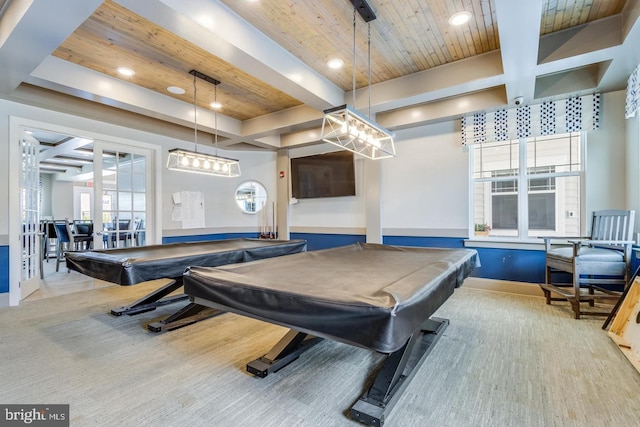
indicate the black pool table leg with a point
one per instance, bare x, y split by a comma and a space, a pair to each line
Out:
396, 373
191, 313
284, 352
155, 299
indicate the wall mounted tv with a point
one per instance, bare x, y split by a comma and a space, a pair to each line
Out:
323, 175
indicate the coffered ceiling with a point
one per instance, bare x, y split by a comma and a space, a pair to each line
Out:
271, 58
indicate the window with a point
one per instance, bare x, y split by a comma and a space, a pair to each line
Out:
552, 179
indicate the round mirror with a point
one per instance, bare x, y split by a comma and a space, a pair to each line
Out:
251, 196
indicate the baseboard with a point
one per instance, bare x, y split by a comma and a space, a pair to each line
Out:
520, 288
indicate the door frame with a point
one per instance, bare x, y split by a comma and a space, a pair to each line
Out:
15, 246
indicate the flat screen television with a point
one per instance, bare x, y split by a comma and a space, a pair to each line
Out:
323, 175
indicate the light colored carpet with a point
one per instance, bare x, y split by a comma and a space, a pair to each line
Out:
505, 360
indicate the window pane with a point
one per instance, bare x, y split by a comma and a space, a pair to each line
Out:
505, 211
542, 211
139, 201
491, 157
556, 212
560, 151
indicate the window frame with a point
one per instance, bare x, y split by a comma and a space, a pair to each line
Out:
522, 179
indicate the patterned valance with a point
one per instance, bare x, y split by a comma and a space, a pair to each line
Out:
549, 118
633, 94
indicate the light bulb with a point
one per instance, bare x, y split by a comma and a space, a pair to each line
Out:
216, 166
184, 161
196, 163
207, 164
225, 167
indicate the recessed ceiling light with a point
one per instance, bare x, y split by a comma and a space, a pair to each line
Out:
215, 105
460, 18
125, 71
175, 89
335, 63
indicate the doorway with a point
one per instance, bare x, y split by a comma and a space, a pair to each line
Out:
71, 178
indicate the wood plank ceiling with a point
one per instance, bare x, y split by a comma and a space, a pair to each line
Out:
407, 37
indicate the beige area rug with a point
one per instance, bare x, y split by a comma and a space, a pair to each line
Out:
505, 360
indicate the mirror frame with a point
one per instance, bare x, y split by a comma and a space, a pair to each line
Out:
249, 192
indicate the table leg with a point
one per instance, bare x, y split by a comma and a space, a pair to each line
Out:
284, 352
191, 313
155, 299
396, 373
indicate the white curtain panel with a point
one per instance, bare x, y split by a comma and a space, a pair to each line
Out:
633, 94
548, 118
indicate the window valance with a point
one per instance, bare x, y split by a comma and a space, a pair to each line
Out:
548, 118
633, 94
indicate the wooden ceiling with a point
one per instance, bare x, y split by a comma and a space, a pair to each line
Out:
115, 36
271, 58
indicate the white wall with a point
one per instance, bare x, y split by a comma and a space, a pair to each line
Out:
62, 200
426, 187
632, 127
606, 157
45, 208
221, 210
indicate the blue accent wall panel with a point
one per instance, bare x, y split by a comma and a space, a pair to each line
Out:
325, 241
208, 237
511, 264
502, 264
4, 269
436, 242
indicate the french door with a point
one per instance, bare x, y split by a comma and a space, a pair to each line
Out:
30, 217
123, 181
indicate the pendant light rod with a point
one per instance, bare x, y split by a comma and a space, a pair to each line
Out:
353, 103
369, 53
208, 79
195, 113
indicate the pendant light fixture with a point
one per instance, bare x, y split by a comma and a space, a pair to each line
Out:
193, 161
347, 128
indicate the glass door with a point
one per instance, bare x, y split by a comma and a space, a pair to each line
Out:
122, 177
30, 218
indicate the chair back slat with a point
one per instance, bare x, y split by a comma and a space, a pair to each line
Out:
613, 225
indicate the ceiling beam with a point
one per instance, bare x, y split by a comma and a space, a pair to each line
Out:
64, 148
30, 33
519, 30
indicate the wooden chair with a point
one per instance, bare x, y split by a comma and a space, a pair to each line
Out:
597, 264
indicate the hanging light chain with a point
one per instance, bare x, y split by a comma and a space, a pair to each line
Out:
195, 113
215, 117
369, 53
354, 55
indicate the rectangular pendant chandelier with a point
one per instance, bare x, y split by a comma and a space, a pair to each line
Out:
346, 128
191, 161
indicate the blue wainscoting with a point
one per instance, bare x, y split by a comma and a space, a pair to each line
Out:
317, 241
426, 242
207, 237
502, 264
4, 269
